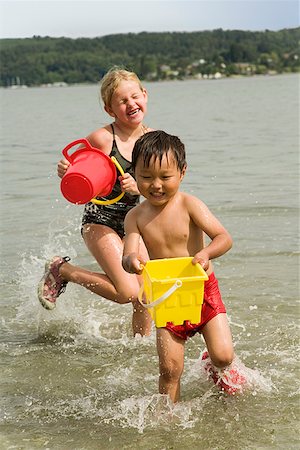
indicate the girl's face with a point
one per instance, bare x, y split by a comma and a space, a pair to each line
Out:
160, 181
128, 103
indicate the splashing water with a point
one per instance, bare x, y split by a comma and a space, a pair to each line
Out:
151, 411
236, 378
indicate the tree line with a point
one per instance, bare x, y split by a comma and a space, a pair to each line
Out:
153, 56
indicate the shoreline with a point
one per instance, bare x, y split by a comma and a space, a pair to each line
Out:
63, 84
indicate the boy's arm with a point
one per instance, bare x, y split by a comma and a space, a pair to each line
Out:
221, 240
132, 261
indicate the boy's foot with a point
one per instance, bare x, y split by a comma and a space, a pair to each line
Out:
229, 380
52, 285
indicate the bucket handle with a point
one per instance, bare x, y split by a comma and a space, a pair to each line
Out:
162, 298
84, 142
112, 200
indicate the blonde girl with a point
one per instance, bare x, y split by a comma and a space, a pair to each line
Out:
125, 100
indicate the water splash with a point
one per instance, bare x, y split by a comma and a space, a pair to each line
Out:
148, 412
246, 379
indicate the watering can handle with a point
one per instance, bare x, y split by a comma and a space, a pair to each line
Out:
162, 298
85, 142
116, 199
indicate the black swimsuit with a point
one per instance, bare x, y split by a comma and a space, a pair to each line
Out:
112, 215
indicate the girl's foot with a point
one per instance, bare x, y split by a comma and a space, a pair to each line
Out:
52, 285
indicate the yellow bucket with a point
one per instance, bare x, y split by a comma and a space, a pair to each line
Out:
173, 290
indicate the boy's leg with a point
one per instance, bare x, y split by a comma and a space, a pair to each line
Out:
220, 366
218, 340
170, 351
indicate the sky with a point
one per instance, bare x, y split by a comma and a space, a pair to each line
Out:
92, 18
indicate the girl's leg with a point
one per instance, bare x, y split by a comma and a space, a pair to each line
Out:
218, 340
170, 351
141, 320
106, 247
115, 284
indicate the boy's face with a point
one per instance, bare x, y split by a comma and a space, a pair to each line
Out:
160, 181
128, 103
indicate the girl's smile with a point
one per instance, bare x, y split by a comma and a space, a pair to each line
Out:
128, 103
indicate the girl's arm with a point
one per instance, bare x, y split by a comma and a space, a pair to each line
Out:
132, 261
221, 240
101, 139
128, 184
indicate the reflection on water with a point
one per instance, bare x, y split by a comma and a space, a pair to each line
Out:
74, 378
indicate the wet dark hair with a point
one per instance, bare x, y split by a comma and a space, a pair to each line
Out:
158, 143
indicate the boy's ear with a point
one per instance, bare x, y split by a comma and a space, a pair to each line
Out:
183, 172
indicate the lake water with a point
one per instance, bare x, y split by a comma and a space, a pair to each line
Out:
74, 378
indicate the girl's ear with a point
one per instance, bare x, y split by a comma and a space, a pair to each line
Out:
145, 93
109, 111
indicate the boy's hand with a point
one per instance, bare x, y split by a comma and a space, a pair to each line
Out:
202, 258
62, 167
133, 263
128, 184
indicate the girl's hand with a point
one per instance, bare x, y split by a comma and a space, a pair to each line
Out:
128, 184
202, 258
62, 167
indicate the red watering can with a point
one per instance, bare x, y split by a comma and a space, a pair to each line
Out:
91, 173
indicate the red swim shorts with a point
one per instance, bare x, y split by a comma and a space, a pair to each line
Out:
212, 306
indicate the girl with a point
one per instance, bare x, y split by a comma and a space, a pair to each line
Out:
125, 99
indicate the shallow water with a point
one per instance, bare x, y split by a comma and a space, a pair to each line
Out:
74, 378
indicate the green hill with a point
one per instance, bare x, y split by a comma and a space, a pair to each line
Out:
154, 56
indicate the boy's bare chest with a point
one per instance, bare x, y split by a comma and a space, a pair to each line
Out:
166, 230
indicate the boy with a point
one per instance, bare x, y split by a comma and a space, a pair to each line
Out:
173, 224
